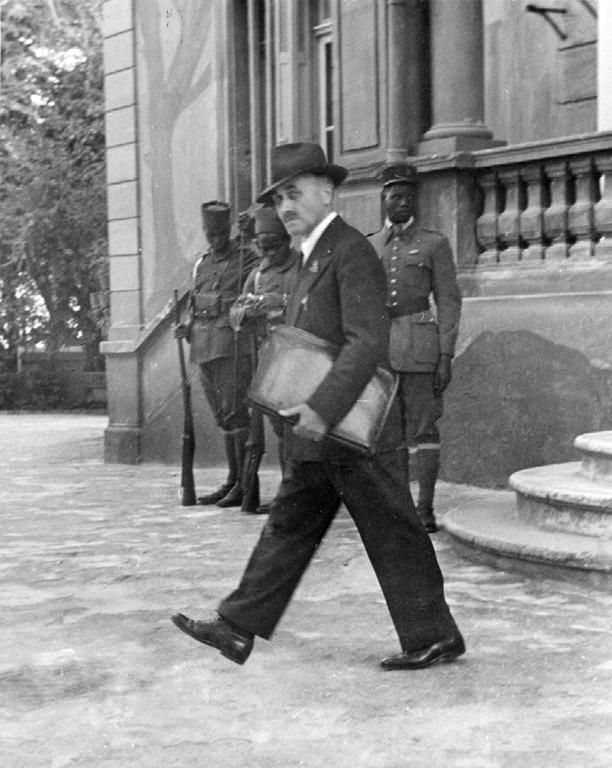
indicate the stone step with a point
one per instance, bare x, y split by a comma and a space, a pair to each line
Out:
490, 530
596, 453
559, 497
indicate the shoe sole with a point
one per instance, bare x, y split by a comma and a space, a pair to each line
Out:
177, 624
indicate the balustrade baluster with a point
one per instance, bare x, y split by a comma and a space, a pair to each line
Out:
532, 218
556, 215
580, 216
508, 221
603, 209
486, 225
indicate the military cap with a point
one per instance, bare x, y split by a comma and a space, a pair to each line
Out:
291, 160
215, 212
267, 221
400, 173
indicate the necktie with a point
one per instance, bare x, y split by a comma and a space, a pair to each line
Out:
395, 230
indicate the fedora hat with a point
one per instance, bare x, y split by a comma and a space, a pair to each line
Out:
291, 160
400, 173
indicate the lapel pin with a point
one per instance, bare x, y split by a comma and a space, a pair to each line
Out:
314, 267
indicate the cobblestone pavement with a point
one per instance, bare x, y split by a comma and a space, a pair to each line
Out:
95, 558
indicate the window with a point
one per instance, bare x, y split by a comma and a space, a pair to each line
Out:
291, 74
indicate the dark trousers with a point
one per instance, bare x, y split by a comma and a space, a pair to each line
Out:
225, 386
421, 409
378, 499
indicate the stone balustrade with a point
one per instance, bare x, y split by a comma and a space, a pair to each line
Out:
549, 201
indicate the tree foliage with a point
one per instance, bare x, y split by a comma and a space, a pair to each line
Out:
53, 198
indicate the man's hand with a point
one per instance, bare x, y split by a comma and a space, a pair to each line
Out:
182, 331
271, 301
310, 425
442, 374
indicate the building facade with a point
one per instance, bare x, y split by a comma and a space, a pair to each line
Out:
505, 111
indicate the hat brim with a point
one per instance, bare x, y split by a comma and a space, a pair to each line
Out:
404, 180
335, 172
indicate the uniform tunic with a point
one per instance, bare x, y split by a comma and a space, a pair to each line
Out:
214, 346
419, 266
268, 278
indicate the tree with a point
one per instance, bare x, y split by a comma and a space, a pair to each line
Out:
53, 198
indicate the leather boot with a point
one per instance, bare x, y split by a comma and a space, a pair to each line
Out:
215, 496
428, 465
233, 498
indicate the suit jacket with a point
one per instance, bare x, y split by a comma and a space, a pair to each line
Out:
419, 265
340, 296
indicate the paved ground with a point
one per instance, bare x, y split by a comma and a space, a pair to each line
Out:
94, 558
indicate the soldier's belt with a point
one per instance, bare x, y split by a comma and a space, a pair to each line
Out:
208, 307
415, 311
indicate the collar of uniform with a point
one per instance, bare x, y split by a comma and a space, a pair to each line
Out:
389, 224
224, 256
389, 227
285, 263
308, 243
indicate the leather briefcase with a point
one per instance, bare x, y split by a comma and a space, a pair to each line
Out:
292, 364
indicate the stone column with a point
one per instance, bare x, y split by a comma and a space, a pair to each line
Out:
457, 57
404, 34
122, 436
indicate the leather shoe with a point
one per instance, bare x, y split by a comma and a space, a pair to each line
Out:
262, 509
444, 650
215, 496
233, 498
430, 526
428, 520
235, 644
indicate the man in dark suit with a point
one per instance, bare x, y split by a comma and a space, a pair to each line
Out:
340, 296
419, 265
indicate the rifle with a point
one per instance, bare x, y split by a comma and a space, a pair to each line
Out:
187, 492
254, 449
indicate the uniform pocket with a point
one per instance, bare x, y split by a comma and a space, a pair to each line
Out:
400, 343
425, 340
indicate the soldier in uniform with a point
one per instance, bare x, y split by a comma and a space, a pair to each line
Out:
224, 357
419, 266
266, 291
269, 285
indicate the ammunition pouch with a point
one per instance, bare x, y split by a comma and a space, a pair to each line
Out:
209, 305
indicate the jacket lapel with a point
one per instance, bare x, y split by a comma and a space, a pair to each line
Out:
314, 268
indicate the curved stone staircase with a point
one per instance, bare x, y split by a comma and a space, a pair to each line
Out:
558, 521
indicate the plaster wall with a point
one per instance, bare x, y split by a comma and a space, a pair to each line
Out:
538, 86
181, 90
604, 67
